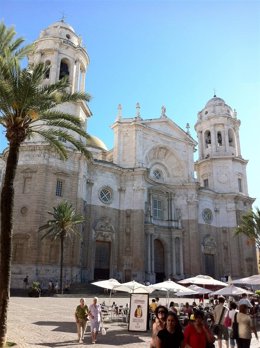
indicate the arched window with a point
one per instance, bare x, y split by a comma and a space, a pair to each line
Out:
207, 138
48, 66
64, 68
231, 138
219, 138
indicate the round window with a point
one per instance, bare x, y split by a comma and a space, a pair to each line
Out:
105, 195
157, 174
207, 215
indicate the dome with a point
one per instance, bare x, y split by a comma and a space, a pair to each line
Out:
61, 24
63, 31
96, 142
216, 107
215, 101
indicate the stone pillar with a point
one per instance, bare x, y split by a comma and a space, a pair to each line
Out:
181, 257
173, 263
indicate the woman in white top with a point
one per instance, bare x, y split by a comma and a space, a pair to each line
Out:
245, 327
231, 314
95, 318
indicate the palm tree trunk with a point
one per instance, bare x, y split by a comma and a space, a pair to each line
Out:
61, 262
7, 201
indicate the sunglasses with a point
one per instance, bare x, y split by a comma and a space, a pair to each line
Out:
161, 312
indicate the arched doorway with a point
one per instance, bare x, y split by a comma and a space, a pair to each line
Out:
102, 260
159, 268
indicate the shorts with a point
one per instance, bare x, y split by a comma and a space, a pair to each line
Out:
223, 333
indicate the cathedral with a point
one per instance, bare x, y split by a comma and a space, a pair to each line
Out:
151, 211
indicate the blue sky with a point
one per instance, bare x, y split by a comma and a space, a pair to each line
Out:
155, 52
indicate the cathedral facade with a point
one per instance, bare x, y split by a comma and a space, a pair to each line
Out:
152, 212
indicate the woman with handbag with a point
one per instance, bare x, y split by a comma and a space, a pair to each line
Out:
95, 319
81, 317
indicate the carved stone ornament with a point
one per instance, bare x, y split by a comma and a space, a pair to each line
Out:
104, 230
209, 245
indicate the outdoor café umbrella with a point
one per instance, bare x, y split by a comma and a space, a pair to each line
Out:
107, 284
252, 280
133, 287
171, 286
195, 290
202, 280
231, 290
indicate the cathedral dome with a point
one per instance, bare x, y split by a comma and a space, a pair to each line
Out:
215, 101
93, 141
61, 24
216, 107
63, 31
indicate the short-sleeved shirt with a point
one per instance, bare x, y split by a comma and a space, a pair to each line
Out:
153, 306
244, 325
194, 338
81, 312
170, 340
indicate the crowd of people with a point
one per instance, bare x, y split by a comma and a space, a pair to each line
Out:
195, 326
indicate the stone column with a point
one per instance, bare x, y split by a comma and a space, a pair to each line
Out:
173, 263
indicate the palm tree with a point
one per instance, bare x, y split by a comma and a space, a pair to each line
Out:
10, 47
28, 108
250, 226
62, 225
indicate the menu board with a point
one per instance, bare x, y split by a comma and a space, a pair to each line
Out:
138, 318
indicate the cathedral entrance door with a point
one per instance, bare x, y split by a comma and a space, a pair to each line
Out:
159, 261
209, 265
102, 260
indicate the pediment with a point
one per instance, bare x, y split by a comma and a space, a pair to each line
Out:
169, 128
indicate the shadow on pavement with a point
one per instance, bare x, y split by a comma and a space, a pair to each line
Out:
61, 326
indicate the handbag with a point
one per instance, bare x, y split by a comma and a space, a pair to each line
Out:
234, 332
216, 327
227, 321
103, 330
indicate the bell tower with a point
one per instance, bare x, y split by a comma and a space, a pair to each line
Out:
220, 166
60, 48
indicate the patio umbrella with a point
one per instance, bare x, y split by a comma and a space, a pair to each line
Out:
171, 286
253, 280
195, 290
107, 284
133, 287
202, 280
231, 290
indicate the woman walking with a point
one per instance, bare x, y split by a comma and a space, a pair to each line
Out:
171, 336
81, 316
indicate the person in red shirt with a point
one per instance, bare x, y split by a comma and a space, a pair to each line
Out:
196, 333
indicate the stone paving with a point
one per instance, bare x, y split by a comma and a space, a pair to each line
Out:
49, 322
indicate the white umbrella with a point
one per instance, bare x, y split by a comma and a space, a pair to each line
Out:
231, 290
203, 280
253, 280
170, 286
195, 290
107, 284
133, 287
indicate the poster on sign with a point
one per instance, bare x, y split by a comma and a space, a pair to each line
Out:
138, 318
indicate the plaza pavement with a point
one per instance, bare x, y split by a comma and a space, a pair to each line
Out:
49, 322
